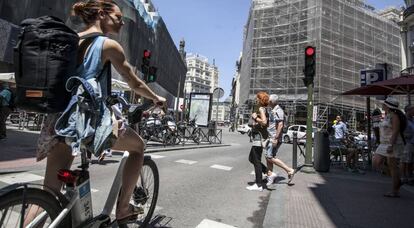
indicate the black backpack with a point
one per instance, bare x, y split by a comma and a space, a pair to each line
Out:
44, 58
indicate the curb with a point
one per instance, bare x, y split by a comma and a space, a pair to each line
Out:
275, 211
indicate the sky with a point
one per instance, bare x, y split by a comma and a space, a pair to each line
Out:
214, 29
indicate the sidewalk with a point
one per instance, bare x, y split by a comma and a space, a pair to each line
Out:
339, 199
18, 151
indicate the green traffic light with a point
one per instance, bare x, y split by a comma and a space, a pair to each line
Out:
151, 78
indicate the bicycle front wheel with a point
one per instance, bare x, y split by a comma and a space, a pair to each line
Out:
40, 208
146, 191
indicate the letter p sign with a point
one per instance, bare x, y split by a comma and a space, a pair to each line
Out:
370, 76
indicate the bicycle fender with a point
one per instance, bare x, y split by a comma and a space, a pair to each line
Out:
58, 195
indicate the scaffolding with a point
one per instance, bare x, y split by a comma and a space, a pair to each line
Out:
348, 35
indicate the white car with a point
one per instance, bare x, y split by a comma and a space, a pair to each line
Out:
301, 133
243, 129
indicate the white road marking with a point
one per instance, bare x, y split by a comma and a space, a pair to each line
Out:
156, 156
206, 223
94, 190
252, 173
188, 162
227, 168
20, 178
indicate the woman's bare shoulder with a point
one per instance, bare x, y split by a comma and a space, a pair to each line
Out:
112, 44
113, 51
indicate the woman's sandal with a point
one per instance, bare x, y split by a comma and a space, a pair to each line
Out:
130, 218
392, 195
290, 176
101, 157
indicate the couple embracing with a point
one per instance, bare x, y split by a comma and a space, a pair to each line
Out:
267, 130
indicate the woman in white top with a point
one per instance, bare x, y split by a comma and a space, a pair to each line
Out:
391, 142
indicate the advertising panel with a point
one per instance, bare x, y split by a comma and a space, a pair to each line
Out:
200, 108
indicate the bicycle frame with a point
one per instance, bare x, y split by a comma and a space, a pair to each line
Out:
73, 196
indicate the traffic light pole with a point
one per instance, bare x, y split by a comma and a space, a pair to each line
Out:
308, 166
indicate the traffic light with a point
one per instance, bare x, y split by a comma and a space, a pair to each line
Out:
310, 65
146, 57
152, 74
146, 69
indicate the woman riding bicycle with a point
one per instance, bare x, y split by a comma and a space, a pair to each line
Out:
100, 16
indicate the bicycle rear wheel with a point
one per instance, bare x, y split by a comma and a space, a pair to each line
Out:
40, 209
146, 191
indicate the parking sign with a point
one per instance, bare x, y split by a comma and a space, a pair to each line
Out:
370, 76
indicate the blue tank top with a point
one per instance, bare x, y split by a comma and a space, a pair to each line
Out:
92, 67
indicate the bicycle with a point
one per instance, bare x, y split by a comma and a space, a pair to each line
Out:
190, 130
74, 207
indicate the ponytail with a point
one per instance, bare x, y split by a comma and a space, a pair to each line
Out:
89, 10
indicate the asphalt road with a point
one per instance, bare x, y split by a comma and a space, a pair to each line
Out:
197, 186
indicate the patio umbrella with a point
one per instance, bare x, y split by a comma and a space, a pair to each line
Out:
403, 85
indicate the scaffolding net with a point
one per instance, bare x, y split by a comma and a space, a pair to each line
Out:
349, 37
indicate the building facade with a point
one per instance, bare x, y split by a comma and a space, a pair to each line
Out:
407, 37
202, 77
220, 111
349, 36
144, 29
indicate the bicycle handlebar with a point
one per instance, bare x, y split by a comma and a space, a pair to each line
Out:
134, 111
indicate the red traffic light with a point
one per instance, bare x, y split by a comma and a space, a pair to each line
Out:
309, 51
147, 53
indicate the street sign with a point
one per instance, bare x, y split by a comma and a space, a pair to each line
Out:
370, 76
218, 93
315, 113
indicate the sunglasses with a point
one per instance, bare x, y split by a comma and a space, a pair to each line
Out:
119, 18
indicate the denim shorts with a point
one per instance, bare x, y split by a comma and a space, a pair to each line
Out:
272, 151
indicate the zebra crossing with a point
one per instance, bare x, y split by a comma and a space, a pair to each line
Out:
33, 177
25, 177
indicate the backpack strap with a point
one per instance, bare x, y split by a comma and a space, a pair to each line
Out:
74, 82
88, 39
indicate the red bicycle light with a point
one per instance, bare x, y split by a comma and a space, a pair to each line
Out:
67, 176
310, 51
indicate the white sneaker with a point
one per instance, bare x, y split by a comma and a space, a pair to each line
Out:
254, 188
271, 179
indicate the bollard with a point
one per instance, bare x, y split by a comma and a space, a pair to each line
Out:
295, 151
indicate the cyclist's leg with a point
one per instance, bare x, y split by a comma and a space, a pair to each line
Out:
59, 157
131, 142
